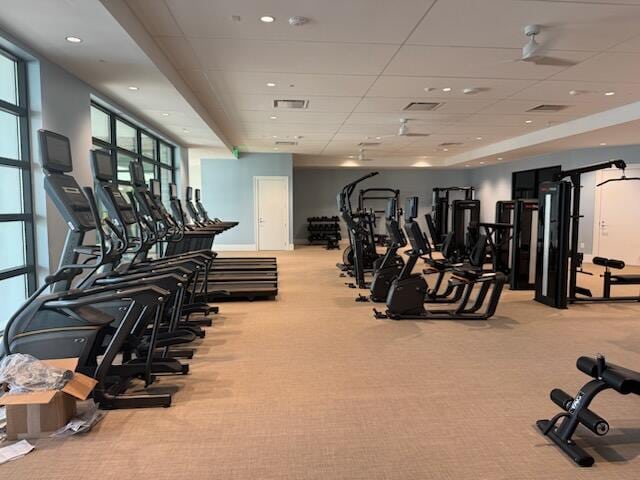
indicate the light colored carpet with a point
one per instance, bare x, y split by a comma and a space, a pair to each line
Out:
312, 387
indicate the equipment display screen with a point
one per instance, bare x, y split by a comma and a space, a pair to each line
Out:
104, 165
154, 186
57, 152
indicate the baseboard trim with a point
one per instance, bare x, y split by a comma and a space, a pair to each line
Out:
221, 247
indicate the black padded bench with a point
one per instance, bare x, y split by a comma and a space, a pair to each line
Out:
611, 279
576, 409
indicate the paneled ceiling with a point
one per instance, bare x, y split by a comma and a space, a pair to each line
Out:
358, 63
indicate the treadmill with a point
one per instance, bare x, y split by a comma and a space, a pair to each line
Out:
195, 222
219, 287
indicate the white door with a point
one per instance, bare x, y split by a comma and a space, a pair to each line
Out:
272, 212
617, 219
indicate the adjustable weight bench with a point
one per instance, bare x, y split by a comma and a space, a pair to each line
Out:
576, 410
611, 279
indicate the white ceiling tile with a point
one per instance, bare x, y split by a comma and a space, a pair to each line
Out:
605, 67
155, 16
292, 117
573, 109
290, 83
424, 118
398, 86
296, 57
316, 104
280, 128
552, 91
542, 120
363, 21
473, 62
396, 105
499, 23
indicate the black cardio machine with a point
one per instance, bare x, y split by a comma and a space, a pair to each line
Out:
99, 324
408, 293
391, 264
361, 255
219, 288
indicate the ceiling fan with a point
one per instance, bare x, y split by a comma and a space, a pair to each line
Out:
533, 52
403, 131
362, 156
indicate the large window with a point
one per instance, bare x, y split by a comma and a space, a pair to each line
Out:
129, 142
17, 245
525, 184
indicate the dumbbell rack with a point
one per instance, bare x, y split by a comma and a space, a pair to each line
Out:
324, 229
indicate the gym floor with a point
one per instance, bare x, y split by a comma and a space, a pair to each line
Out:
312, 387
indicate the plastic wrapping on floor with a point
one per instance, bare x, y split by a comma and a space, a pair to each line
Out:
24, 373
88, 416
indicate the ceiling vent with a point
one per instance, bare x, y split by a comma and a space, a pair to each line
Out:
450, 144
368, 144
295, 104
422, 106
286, 144
548, 108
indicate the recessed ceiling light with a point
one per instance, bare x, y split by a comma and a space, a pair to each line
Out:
72, 39
608, 94
478, 138
481, 163
445, 149
429, 89
528, 121
185, 130
165, 114
273, 117
274, 136
133, 88
271, 84
446, 89
350, 156
275, 148
267, 19
603, 144
467, 165
378, 138
499, 158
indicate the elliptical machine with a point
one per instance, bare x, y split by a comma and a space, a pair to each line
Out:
361, 253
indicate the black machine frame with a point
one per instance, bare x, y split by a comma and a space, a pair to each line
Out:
559, 260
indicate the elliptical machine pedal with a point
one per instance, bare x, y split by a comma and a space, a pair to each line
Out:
362, 298
379, 315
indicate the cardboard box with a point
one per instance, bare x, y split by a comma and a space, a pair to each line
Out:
39, 414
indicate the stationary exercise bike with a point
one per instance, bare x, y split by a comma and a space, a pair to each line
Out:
408, 292
391, 264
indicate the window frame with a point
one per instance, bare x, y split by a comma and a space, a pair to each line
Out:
21, 111
112, 147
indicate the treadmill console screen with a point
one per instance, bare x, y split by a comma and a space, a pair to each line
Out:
56, 152
154, 186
